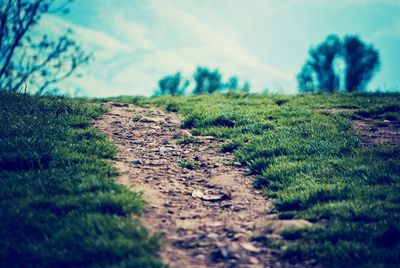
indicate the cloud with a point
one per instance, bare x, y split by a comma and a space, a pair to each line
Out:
392, 31
138, 42
134, 55
94, 39
213, 48
135, 34
344, 3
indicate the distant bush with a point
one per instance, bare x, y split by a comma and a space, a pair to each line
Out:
207, 81
233, 85
172, 85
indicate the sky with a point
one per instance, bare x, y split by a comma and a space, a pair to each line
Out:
137, 42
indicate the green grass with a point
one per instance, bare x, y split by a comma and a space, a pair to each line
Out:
390, 112
312, 164
188, 164
59, 204
187, 140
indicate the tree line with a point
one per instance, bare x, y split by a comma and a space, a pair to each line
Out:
206, 81
333, 65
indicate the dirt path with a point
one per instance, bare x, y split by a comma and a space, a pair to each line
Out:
372, 131
198, 198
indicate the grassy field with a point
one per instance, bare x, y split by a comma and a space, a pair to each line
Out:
59, 205
311, 162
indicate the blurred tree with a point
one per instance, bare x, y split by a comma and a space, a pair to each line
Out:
318, 73
172, 85
206, 81
246, 87
233, 83
321, 64
362, 62
27, 59
306, 80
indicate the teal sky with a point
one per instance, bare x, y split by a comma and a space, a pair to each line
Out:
136, 42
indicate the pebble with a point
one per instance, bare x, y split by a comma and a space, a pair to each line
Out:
136, 162
213, 235
253, 260
200, 257
182, 134
250, 247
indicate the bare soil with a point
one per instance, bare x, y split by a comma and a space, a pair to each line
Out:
209, 212
371, 131
377, 132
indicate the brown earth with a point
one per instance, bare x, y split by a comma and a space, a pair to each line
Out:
377, 132
372, 131
207, 212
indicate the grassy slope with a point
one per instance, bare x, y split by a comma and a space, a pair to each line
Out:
59, 206
313, 165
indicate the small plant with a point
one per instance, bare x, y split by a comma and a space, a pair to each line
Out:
292, 233
189, 164
172, 107
281, 101
135, 118
187, 140
229, 147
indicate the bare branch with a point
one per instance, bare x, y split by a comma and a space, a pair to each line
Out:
30, 19
34, 61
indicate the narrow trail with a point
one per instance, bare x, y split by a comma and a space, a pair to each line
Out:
207, 213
